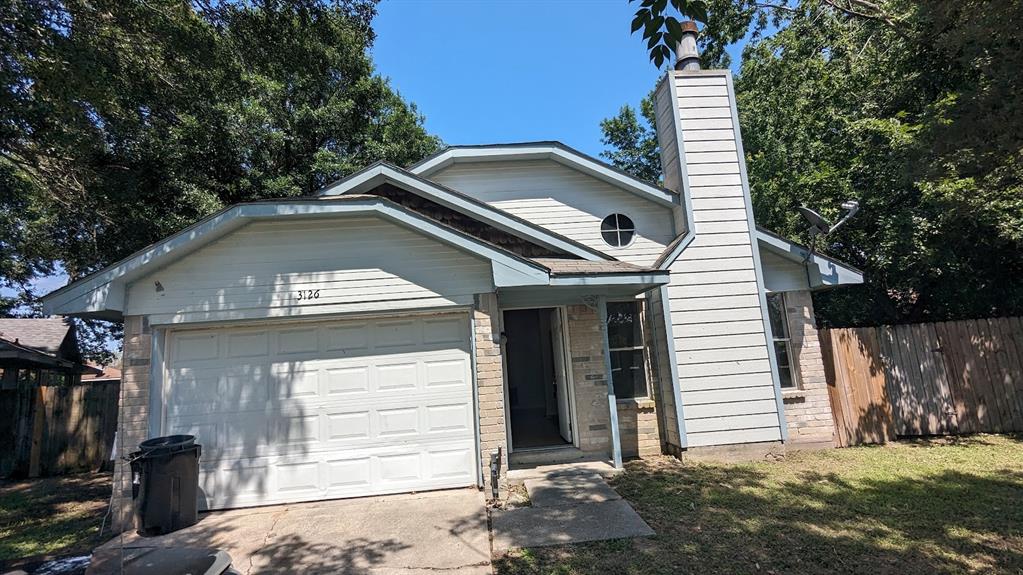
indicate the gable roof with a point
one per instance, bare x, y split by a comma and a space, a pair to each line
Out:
45, 335
101, 294
829, 271
383, 173
546, 150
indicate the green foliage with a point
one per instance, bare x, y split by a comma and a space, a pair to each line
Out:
663, 32
633, 143
917, 113
125, 120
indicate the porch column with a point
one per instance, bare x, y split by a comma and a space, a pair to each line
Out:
612, 403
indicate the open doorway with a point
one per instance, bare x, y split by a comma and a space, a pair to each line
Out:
538, 395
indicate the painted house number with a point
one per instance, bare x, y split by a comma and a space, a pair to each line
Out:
307, 294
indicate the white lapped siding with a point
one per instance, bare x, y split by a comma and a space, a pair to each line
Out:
564, 201
721, 347
781, 274
663, 356
357, 264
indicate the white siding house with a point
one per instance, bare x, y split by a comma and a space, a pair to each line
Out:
394, 331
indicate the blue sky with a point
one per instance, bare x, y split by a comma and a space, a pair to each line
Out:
514, 70
498, 71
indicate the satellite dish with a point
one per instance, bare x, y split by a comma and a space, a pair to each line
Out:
819, 225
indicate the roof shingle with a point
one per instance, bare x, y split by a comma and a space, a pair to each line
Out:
40, 334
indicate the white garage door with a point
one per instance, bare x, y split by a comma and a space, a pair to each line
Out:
298, 412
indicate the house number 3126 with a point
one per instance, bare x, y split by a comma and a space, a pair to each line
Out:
305, 294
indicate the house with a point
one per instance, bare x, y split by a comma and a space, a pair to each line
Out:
395, 330
35, 353
39, 351
103, 374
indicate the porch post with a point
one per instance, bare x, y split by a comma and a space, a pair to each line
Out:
612, 403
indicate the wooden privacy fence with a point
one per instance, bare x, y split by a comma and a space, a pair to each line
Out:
51, 430
939, 378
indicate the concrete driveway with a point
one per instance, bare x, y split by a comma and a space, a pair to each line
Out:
400, 534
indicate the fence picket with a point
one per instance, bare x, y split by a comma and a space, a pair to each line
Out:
924, 379
1005, 356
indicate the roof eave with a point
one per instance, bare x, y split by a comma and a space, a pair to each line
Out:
546, 150
385, 173
829, 272
102, 294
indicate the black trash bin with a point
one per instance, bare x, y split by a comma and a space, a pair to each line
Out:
165, 484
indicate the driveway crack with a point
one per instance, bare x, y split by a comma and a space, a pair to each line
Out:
266, 538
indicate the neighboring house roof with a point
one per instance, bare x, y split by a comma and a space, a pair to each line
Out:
555, 151
102, 373
830, 272
40, 334
19, 354
41, 342
383, 173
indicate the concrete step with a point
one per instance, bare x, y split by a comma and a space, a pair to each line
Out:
532, 457
519, 474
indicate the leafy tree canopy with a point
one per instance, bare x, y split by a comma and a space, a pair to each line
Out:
122, 121
914, 109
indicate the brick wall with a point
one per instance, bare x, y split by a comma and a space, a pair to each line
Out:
133, 415
589, 379
638, 424
490, 382
807, 409
638, 427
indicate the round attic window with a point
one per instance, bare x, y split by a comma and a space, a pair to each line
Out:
617, 230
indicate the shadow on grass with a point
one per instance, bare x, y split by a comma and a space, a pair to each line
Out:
51, 516
747, 519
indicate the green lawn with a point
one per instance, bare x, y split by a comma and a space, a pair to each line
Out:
914, 507
52, 516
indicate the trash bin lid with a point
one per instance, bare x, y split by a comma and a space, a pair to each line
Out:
167, 443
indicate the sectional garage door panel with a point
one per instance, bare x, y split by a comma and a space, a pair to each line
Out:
299, 412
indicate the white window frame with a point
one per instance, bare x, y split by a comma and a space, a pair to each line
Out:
787, 340
641, 348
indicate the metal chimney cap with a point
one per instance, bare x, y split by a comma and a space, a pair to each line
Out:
687, 55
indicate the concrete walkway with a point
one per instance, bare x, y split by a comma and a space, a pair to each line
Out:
444, 531
567, 508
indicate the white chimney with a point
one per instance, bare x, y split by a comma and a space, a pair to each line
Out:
724, 355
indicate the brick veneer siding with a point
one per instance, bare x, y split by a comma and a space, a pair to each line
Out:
807, 409
638, 424
490, 382
133, 414
589, 380
639, 428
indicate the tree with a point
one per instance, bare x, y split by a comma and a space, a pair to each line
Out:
126, 120
920, 117
633, 143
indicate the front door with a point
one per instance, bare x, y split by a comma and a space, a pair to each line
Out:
561, 376
538, 403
